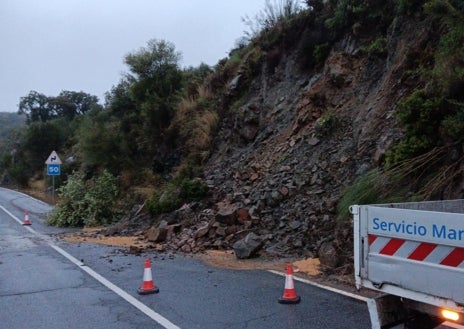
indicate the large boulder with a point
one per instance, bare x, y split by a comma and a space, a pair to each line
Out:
157, 233
328, 256
248, 246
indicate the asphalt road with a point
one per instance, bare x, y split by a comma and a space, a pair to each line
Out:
47, 283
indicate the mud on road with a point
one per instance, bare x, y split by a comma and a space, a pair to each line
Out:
308, 268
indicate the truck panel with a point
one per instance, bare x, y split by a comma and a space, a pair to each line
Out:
416, 254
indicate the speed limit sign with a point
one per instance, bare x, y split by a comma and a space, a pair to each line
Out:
53, 169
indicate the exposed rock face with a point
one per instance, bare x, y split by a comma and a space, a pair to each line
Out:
283, 159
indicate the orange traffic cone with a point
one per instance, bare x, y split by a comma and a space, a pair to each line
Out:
148, 287
26, 219
289, 296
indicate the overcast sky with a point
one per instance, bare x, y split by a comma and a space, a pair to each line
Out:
79, 45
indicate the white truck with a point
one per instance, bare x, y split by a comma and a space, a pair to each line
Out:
413, 253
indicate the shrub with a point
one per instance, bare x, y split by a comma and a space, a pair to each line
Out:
193, 189
172, 195
415, 179
410, 6
164, 200
453, 125
432, 116
70, 207
321, 52
340, 18
364, 190
420, 114
99, 199
85, 203
408, 148
449, 64
325, 124
189, 168
271, 15
378, 46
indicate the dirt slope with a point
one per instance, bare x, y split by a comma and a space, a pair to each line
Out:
283, 157
313, 134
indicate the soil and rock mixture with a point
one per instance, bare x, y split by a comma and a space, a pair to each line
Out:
308, 268
283, 158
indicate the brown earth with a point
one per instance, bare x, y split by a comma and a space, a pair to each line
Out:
218, 258
286, 151
306, 268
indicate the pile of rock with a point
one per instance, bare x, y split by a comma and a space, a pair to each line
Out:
282, 159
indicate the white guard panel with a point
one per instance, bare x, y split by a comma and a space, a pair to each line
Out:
415, 250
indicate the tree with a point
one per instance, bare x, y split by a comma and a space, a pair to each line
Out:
155, 81
155, 71
121, 106
36, 107
40, 138
118, 100
68, 104
99, 143
150, 62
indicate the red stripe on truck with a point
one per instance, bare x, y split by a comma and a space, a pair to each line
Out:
422, 251
392, 246
454, 258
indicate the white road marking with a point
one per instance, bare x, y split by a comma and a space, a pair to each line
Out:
127, 297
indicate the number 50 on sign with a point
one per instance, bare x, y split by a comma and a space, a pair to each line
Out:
53, 169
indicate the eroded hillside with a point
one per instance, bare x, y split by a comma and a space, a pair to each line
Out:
305, 116
284, 155
301, 138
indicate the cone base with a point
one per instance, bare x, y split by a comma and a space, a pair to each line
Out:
147, 291
26, 224
295, 300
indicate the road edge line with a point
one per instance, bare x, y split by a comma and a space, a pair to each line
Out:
120, 292
335, 290
111, 286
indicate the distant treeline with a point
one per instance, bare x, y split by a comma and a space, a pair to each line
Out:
9, 121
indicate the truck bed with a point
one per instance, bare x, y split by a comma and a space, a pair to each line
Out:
414, 250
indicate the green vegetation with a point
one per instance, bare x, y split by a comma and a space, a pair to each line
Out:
325, 125
10, 122
155, 114
378, 46
176, 193
364, 190
414, 179
86, 202
432, 116
159, 122
410, 6
11, 127
420, 115
321, 52
342, 14
272, 15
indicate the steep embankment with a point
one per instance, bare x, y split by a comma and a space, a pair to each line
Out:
284, 155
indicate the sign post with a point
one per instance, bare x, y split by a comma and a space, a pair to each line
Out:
53, 169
